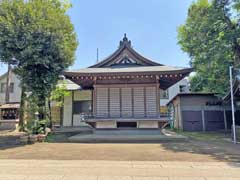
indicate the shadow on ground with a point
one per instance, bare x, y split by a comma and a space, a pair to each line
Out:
10, 139
215, 144
58, 147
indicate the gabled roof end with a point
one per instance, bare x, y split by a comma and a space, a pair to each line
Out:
125, 41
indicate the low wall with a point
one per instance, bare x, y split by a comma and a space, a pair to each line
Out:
8, 124
147, 124
106, 124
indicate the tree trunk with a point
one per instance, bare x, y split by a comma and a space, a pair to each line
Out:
41, 108
50, 114
22, 109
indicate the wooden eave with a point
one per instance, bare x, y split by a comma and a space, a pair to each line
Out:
180, 72
166, 79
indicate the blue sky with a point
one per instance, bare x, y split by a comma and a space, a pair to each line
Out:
151, 25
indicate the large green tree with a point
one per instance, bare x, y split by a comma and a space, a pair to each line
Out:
210, 36
40, 36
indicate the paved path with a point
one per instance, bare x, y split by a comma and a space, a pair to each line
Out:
116, 170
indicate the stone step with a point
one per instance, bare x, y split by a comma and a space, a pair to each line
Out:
96, 138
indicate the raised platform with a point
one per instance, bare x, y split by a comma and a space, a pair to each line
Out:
159, 119
127, 136
141, 123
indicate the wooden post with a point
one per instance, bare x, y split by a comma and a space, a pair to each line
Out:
225, 119
72, 105
158, 95
145, 102
203, 120
120, 101
132, 91
94, 98
108, 95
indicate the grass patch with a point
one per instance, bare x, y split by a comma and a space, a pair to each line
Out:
206, 136
52, 138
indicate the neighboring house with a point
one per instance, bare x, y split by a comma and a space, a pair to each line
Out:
15, 89
9, 112
121, 91
198, 112
205, 111
165, 96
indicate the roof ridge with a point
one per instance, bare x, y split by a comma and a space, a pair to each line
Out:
125, 44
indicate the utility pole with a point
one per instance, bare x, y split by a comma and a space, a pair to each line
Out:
232, 103
97, 55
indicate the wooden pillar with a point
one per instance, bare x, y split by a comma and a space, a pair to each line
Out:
108, 95
62, 113
72, 106
203, 120
225, 119
132, 90
158, 96
145, 102
120, 101
94, 97
94, 101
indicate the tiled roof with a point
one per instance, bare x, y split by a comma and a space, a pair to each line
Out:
129, 69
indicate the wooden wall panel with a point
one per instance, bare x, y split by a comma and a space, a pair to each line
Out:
151, 102
114, 102
138, 97
102, 102
126, 99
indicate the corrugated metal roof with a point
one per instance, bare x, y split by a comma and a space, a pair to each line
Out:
192, 94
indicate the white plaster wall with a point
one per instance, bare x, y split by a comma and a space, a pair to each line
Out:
174, 90
148, 124
16, 95
67, 111
106, 124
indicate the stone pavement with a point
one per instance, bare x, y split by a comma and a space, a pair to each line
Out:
116, 170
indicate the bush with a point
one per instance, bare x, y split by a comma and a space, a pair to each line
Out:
36, 126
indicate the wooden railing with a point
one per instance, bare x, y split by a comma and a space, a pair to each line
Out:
90, 115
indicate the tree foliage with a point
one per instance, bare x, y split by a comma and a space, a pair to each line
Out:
59, 93
41, 37
210, 36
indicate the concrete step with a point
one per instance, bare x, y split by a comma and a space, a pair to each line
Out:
127, 132
74, 130
97, 138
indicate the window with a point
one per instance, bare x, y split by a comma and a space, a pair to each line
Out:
81, 107
3, 87
164, 94
11, 87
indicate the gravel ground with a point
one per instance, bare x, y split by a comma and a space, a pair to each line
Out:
193, 150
